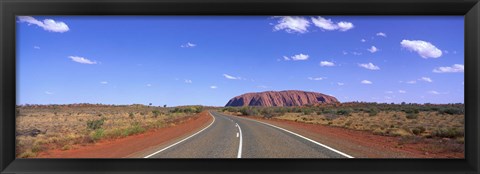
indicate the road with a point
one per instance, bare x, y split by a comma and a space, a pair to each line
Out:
235, 137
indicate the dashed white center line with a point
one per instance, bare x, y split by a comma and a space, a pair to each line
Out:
240, 143
237, 134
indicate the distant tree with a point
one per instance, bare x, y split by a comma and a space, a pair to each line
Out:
164, 106
403, 103
150, 104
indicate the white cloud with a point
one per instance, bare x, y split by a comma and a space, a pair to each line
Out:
456, 68
213, 87
344, 26
188, 45
300, 57
411, 82
286, 58
188, 81
427, 79
292, 24
36, 47
47, 24
366, 82
327, 24
433, 92
402, 91
340, 84
389, 92
149, 85
82, 60
373, 49
48, 93
382, 34
369, 66
363, 40
103, 82
326, 63
231, 77
344, 52
423, 48
316, 78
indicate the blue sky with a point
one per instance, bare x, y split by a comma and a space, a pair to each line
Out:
187, 60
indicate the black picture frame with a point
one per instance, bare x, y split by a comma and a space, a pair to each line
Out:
470, 9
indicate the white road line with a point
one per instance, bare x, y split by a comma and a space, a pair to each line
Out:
240, 144
148, 156
308, 139
237, 134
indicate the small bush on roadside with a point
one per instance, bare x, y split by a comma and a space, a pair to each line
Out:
448, 132
95, 124
97, 134
418, 130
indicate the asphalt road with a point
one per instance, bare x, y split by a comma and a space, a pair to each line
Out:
235, 137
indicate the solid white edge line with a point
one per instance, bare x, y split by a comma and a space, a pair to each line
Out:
148, 156
313, 141
240, 144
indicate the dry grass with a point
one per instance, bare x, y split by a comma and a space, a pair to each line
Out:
63, 126
392, 123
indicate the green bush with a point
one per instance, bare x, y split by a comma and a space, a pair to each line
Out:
95, 124
307, 111
97, 134
372, 112
412, 116
448, 133
344, 112
451, 111
418, 130
155, 113
134, 129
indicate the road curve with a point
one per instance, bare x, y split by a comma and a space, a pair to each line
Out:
233, 137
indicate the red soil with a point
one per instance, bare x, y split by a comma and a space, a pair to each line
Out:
131, 146
362, 144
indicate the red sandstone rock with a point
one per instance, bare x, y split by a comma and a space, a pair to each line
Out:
281, 98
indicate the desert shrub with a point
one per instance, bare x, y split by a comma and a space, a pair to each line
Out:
97, 134
155, 113
95, 124
451, 111
448, 132
418, 130
267, 113
131, 115
252, 111
134, 129
249, 111
307, 111
344, 111
372, 112
27, 154
412, 116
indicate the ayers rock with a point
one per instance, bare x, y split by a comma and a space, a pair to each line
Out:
281, 98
